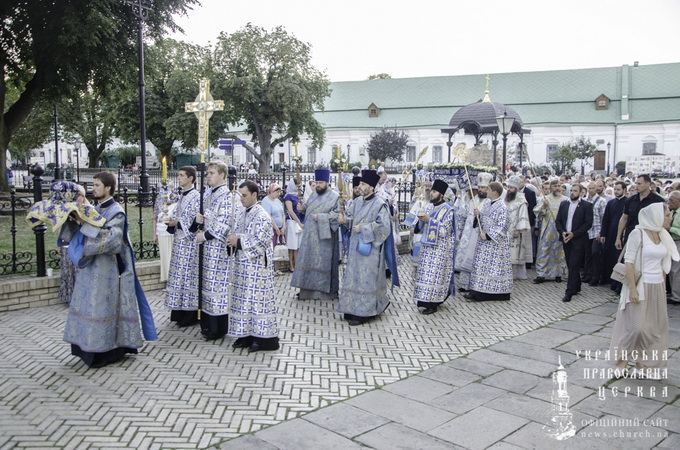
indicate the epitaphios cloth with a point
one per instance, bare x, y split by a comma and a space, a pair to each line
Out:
222, 209
62, 204
492, 270
253, 305
434, 274
182, 287
316, 266
107, 302
550, 261
364, 287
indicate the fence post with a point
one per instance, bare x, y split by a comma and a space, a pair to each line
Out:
140, 204
39, 230
283, 185
154, 199
13, 229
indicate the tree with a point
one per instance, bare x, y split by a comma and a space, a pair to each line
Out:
173, 71
272, 86
51, 50
380, 76
562, 160
387, 143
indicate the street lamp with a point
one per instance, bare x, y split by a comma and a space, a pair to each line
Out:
504, 123
76, 146
140, 9
349, 147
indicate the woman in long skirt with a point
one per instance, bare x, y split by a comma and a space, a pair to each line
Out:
641, 329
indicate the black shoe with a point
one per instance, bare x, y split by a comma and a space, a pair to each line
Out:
462, 290
566, 298
585, 280
593, 283
672, 302
354, 322
469, 296
265, 345
539, 280
243, 342
558, 279
428, 311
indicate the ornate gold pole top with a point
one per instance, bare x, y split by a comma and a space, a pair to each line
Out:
487, 99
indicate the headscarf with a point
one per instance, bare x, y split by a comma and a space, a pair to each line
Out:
291, 188
272, 187
651, 218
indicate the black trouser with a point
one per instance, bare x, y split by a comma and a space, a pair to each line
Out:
588, 260
597, 258
574, 251
610, 256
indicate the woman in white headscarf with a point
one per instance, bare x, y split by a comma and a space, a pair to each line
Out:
640, 333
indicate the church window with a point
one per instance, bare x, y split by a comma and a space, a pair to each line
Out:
437, 153
311, 155
410, 153
550, 149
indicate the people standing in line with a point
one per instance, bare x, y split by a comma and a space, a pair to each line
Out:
364, 289
608, 230
550, 261
574, 220
103, 324
468, 241
674, 230
272, 204
435, 272
252, 316
635, 202
221, 208
491, 277
294, 225
519, 229
593, 257
316, 268
640, 334
181, 293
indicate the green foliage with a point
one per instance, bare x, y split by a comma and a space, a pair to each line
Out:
55, 49
380, 76
563, 159
387, 143
271, 86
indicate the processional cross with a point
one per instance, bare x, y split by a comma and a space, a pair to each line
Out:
204, 106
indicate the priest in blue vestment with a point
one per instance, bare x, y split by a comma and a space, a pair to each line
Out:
108, 303
316, 267
364, 290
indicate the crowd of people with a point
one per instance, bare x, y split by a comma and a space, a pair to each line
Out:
477, 241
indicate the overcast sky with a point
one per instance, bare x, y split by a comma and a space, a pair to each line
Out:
352, 39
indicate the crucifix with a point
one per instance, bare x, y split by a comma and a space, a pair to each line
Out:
204, 106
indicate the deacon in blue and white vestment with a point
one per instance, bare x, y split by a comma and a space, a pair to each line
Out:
252, 308
181, 294
491, 277
434, 275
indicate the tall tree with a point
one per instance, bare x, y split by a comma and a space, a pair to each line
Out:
173, 71
272, 86
387, 143
52, 49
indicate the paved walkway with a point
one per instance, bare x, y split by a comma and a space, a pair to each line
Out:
474, 375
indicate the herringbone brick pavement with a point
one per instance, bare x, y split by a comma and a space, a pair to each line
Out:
184, 392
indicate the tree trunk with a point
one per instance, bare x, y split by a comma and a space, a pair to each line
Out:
4, 145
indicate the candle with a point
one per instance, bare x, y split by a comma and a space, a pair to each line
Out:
296, 150
164, 173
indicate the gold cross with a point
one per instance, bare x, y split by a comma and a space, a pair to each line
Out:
203, 107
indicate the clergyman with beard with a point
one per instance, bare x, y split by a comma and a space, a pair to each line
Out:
434, 275
316, 269
103, 323
519, 229
550, 262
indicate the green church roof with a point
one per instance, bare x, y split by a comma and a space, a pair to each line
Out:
559, 97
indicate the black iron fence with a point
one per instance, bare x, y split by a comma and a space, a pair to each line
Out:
23, 251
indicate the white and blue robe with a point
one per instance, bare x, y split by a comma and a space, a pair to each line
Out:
550, 259
465, 253
364, 289
520, 247
253, 303
221, 208
108, 302
434, 275
181, 293
491, 277
316, 267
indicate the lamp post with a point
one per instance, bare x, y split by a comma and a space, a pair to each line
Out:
504, 123
609, 147
57, 167
76, 146
349, 147
140, 9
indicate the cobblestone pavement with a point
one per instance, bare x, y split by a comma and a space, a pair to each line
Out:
184, 392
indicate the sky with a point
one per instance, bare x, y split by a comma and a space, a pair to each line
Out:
352, 39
